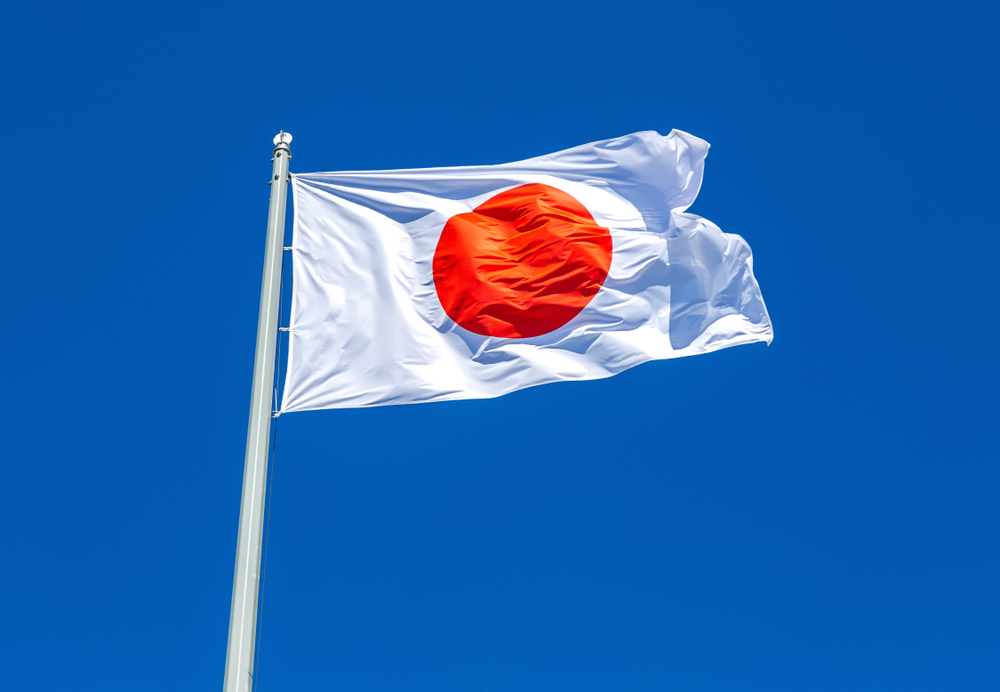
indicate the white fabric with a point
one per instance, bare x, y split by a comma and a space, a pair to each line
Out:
367, 328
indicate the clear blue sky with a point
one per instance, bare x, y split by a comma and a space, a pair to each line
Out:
820, 514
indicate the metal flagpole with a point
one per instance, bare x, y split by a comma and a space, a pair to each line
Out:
246, 581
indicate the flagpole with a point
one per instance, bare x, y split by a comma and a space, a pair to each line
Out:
246, 580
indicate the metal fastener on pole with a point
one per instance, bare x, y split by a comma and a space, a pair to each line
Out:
246, 581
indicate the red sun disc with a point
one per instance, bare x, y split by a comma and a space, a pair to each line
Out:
521, 264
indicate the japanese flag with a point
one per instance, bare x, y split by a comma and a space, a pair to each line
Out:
437, 284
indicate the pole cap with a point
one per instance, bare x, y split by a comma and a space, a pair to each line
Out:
282, 138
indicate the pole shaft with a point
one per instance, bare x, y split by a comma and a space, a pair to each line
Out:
246, 580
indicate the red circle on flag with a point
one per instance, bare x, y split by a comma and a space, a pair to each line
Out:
521, 264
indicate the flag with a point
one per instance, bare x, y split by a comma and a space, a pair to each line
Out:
437, 284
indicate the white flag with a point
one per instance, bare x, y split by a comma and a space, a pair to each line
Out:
437, 284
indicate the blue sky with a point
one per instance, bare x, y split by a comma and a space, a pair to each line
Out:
819, 514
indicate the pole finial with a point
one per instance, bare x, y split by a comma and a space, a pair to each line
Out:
282, 138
